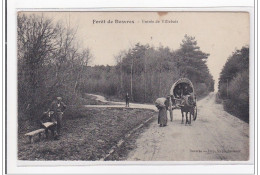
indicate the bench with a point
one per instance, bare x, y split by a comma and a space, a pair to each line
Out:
39, 131
33, 133
49, 124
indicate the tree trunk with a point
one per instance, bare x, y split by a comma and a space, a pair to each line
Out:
144, 79
75, 85
160, 83
121, 78
132, 79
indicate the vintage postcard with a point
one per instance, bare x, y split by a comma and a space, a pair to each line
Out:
93, 88
133, 86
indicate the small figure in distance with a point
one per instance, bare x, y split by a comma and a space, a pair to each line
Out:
127, 99
58, 107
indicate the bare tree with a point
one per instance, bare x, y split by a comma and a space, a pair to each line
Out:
50, 62
119, 61
83, 60
36, 36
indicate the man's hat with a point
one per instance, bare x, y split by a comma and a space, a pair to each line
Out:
51, 112
59, 98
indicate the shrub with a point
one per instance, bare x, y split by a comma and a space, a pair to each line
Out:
238, 93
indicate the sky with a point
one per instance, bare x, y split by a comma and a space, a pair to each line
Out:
217, 33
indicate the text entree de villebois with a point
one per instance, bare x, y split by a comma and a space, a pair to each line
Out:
116, 21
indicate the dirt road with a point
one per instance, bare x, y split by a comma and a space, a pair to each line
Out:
215, 135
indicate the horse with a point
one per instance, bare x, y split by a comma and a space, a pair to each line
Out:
188, 107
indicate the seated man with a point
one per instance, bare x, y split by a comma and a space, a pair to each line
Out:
49, 117
178, 92
187, 90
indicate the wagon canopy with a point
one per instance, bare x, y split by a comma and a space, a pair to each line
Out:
182, 81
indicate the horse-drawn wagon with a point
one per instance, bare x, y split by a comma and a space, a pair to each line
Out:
183, 97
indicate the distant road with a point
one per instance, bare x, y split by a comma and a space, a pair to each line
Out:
119, 104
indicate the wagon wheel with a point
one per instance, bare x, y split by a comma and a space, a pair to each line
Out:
195, 113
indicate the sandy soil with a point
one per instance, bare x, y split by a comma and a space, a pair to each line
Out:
215, 135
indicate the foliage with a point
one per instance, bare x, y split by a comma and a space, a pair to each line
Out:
147, 73
50, 64
234, 83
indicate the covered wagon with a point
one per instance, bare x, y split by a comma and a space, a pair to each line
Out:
179, 92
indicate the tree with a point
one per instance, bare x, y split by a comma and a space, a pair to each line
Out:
50, 63
236, 63
36, 43
234, 83
192, 63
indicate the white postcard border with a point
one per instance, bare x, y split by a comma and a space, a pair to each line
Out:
79, 167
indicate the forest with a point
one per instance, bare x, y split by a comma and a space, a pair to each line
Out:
147, 73
52, 63
234, 83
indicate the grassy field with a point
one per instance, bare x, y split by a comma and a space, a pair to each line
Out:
87, 134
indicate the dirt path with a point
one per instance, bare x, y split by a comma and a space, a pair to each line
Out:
215, 135
119, 104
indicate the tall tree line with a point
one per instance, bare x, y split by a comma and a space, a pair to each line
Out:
234, 83
147, 73
50, 63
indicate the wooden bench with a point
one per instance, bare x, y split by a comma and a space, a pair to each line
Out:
49, 124
39, 131
33, 133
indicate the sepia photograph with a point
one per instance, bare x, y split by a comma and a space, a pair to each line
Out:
134, 86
